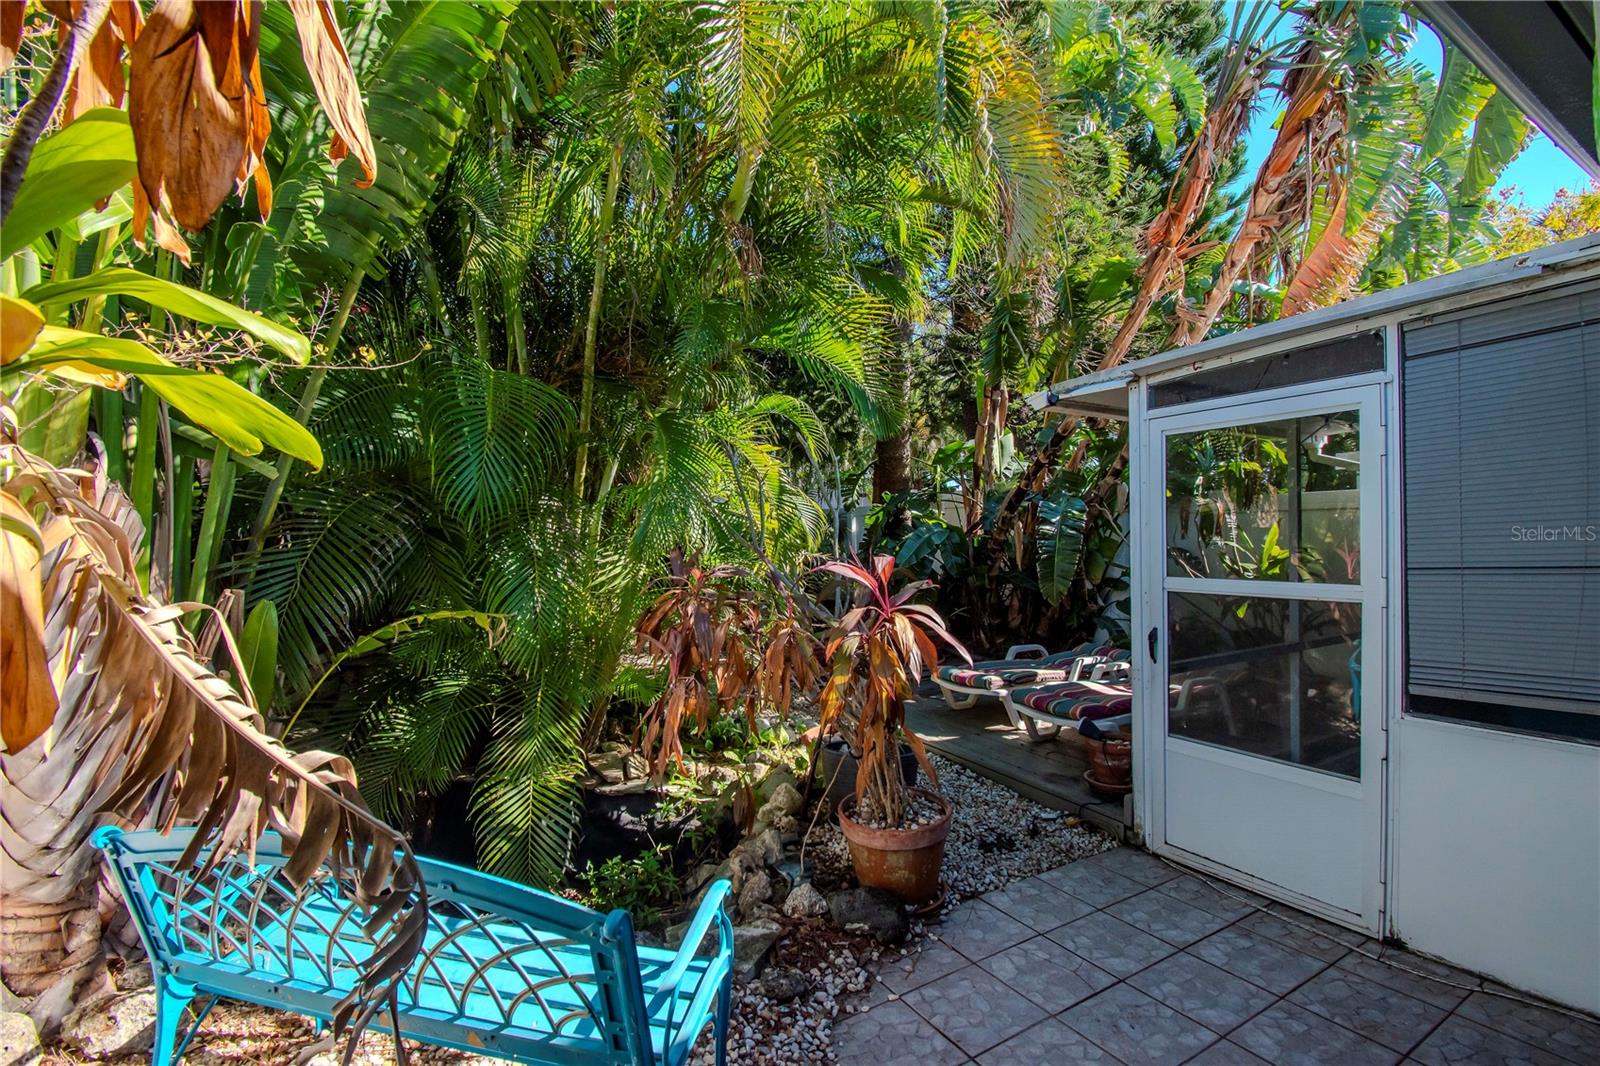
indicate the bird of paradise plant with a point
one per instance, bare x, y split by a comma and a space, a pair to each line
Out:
878, 651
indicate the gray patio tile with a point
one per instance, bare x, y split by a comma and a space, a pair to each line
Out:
1304, 933
1091, 882
1258, 960
1286, 1035
1393, 969
917, 968
978, 930
1050, 1041
892, 1034
1392, 1019
1171, 919
1561, 1034
972, 1008
1461, 1042
1214, 998
1047, 973
1140, 866
1226, 901
1137, 1029
1035, 903
1110, 944
1226, 1053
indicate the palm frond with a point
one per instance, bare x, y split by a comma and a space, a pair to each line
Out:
493, 437
146, 731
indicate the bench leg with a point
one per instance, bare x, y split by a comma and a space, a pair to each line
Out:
724, 1011
171, 999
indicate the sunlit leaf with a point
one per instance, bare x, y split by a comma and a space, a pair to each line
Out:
179, 299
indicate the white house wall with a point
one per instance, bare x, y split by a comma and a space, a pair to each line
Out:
1496, 857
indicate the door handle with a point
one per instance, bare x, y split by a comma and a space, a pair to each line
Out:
1153, 639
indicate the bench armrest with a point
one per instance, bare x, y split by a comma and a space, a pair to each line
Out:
711, 910
1034, 651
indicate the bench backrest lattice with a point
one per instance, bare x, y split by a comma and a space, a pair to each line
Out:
503, 969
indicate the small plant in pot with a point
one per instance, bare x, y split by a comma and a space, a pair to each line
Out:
877, 652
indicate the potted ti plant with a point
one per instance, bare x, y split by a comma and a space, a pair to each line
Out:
877, 653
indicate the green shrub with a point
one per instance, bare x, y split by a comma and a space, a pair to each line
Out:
641, 886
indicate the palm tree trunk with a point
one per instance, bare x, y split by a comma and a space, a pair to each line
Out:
891, 463
1171, 239
51, 956
591, 328
36, 116
1302, 122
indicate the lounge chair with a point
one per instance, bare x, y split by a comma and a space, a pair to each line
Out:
1024, 664
1105, 689
1105, 698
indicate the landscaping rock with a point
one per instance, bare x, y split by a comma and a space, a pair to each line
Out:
751, 945
872, 911
135, 976
763, 849
125, 1024
19, 1040
785, 798
805, 901
782, 984
728, 870
757, 890
626, 788
611, 765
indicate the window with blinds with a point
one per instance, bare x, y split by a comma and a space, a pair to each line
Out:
1501, 434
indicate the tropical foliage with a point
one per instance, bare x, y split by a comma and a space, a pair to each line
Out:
520, 306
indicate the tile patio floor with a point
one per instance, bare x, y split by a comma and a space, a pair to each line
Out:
1124, 959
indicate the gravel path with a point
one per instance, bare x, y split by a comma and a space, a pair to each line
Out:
996, 837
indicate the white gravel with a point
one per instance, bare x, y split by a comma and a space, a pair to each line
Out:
996, 837
797, 1033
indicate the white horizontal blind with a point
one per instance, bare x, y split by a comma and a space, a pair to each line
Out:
1501, 433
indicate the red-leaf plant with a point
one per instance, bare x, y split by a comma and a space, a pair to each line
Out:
708, 631
878, 651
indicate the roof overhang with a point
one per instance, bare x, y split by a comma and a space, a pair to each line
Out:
1104, 393
1540, 53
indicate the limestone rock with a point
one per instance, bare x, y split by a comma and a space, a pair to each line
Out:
751, 945
805, 901
124, 1024
19, 1040
786, 799
766, 848
135, 976
873, 911
782, 984
757, 889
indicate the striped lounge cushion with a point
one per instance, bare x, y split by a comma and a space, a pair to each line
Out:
994, 674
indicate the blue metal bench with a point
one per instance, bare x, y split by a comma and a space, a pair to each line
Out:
504, 970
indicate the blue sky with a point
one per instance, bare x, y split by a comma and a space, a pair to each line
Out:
1538, 173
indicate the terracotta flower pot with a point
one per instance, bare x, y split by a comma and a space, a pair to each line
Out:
1110, 770
905, 862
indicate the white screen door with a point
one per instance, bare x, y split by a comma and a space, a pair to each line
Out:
1267, 606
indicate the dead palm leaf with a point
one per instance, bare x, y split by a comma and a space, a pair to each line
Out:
146, 731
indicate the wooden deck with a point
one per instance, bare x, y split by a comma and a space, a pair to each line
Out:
982, 739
